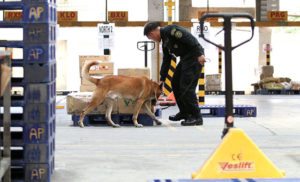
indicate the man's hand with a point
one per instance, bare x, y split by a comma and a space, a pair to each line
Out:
201, 59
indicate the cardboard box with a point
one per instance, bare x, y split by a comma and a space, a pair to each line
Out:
213, 79
104, 66
95, 58
134, 72
76, 102
213, 87
87, 88
266, 71
101, 68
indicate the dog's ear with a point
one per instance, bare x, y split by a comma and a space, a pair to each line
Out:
161, 84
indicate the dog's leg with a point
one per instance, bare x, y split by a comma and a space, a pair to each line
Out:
136, 112
96, 100
110, 105
147, 106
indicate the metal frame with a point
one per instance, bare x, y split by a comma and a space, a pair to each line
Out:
227, 48
5, 158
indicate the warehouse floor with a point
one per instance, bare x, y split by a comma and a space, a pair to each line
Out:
128, 154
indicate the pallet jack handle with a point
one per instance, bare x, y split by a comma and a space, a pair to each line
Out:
226, 26
143, 46
227, 48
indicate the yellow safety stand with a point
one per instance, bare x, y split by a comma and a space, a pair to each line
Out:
238, 157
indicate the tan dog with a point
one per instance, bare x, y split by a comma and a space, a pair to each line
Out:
141, 89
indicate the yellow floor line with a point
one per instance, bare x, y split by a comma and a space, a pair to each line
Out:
60, 107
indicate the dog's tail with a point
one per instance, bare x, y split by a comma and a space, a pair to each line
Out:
85, 71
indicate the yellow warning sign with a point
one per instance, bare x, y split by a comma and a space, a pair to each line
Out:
238, 157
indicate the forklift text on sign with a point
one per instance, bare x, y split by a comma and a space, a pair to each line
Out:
277, 15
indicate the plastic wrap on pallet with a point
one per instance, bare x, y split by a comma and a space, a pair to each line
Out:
76, 102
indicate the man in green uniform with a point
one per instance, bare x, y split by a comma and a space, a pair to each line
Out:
177, 41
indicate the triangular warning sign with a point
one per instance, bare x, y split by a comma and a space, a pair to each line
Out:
238, 157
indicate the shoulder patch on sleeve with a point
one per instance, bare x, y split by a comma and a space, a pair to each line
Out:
173, 31
178, 34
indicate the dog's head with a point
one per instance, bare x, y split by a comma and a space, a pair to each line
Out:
157, 91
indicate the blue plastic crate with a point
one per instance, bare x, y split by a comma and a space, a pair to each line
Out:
33, 133
39, 33
35, 172
41, 53
40, 92
220, 110
32, 153
40, 1
246, 111
38, 132
39, 13
39, 72
39, 113
12, 5
40, 153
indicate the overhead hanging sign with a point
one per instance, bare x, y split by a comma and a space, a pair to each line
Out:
277, 15
196, 32
12, 15
67, 16
120, 16
15, 15
196, 28
106, 29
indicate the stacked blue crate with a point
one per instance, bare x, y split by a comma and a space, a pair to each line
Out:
33, 159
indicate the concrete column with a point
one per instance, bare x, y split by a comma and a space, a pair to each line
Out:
155, 13
265, 37
265, 34
185, 10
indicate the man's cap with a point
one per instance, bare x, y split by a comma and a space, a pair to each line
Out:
150, 27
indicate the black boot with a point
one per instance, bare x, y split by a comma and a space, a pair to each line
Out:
192, 121
177, 117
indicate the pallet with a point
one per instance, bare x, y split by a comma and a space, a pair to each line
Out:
276, 92
218, 92
219, 110
121, 119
